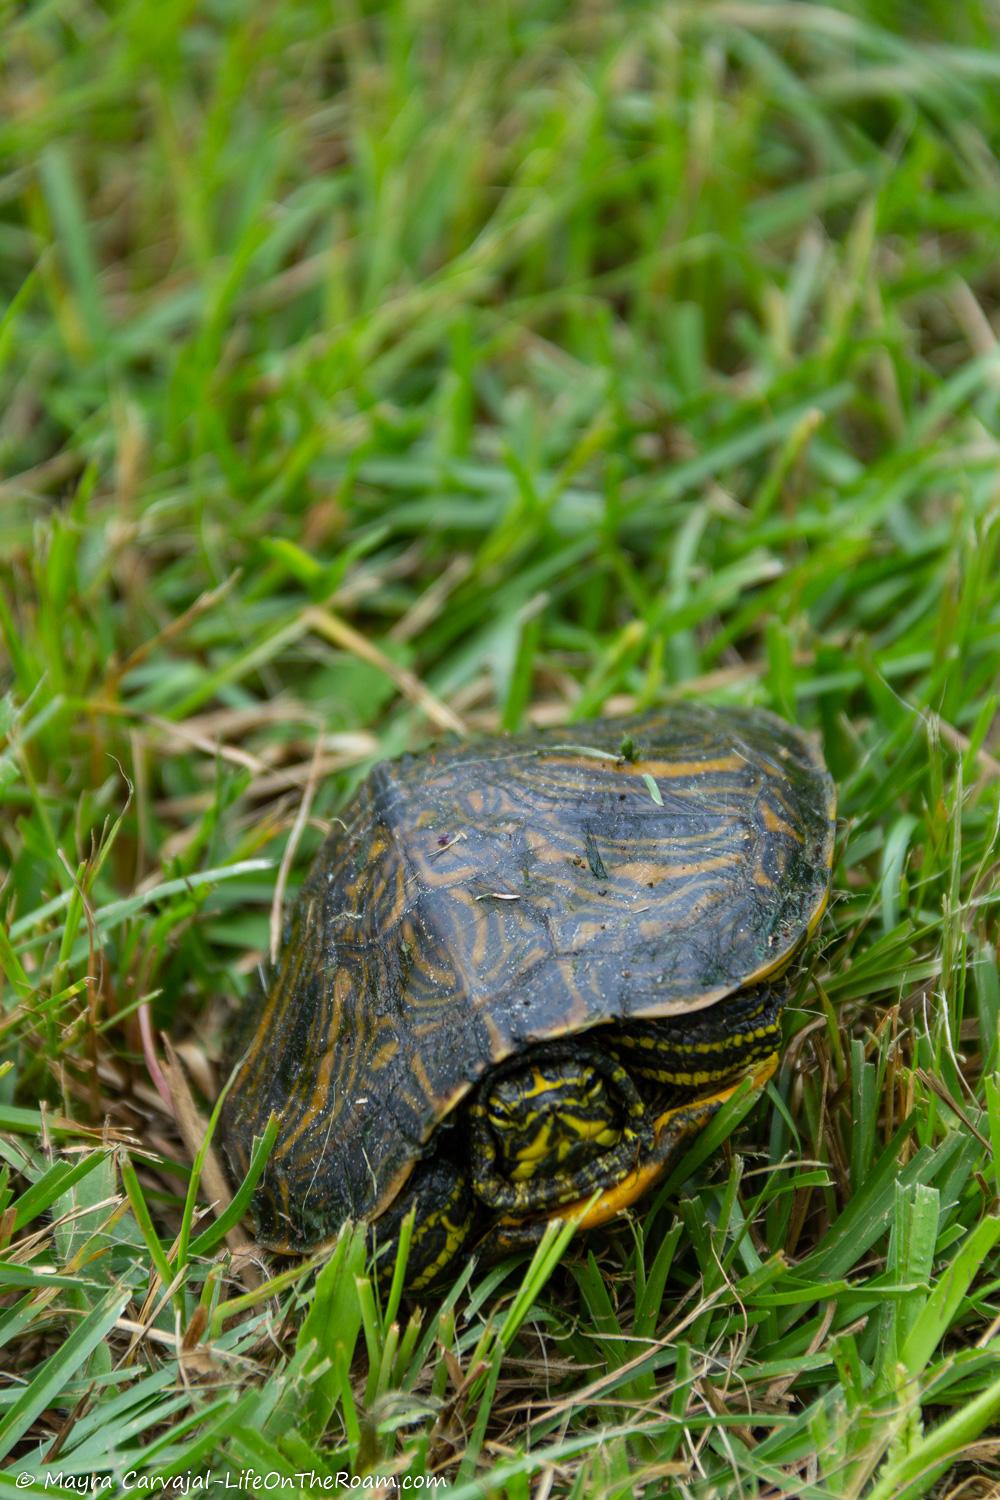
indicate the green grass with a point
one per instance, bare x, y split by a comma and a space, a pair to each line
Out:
368, 372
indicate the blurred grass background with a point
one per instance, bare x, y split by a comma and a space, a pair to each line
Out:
375, 371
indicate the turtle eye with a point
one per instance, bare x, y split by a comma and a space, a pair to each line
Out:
499, 1115
592, 1086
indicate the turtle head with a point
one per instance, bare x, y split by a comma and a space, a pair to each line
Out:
549, 1118
551, 1126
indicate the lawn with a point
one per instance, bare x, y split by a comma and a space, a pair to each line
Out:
379, 372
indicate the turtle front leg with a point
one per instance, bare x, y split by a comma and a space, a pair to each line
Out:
439, 1190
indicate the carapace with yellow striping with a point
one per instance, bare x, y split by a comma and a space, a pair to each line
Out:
522, 971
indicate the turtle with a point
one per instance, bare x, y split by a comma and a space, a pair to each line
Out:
522, 971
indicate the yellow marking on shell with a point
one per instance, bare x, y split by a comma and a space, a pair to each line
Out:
636, 874
370, 877
499, 1046
676, 769
319, 1094
437, 978
616, 1199
420, 1073
451, 871
697, 867
392, 917
817, 915
576, 1009
775, 824
393, 1187
385, 1053
661, 769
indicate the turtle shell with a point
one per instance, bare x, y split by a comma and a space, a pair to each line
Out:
479, 899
